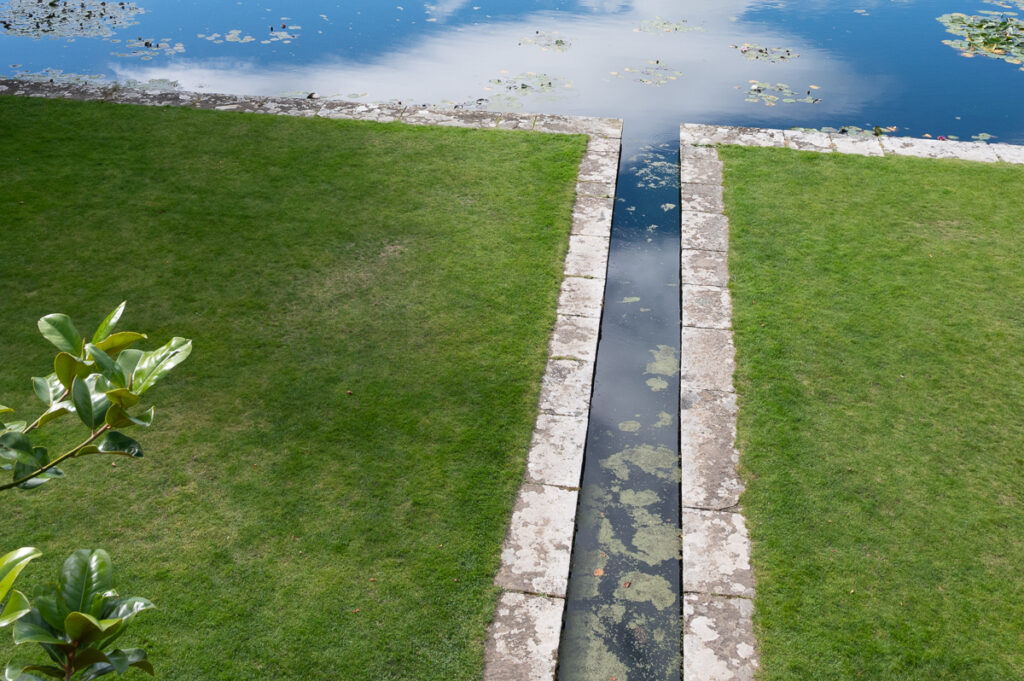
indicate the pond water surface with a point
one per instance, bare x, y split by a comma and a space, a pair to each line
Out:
654, 63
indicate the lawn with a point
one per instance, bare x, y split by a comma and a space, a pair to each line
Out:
879, 328
330, 474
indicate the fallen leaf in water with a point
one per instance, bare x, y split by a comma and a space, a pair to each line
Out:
599, 572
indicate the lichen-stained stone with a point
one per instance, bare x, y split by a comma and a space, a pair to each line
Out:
1010, 153
582, 297
702, 198
707, 448
556, 451
599, 167
592, 216
587, 256
689, 151
598, 144
154, 98
535, 555
460, 119
704, 135
579, 125
706, 268
604, 190
925, 148
209, 100
707, 307
516, 121
716, 554
704, 231
707, 359
700, 170
808, 141
522, 641
291, 106
575, 337
860, 145
362, 112
566, 386
718, 639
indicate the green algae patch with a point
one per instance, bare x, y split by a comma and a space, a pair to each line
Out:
657, 461
665, 362
644, 588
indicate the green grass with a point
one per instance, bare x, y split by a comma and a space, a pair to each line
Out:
329, 479
880, 347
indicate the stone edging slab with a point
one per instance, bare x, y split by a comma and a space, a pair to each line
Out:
523, 639
718, 582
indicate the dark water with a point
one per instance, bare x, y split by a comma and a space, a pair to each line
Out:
654, 63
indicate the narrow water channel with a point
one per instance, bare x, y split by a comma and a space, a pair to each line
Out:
622, 614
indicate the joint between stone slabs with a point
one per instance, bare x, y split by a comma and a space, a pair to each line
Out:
735, 508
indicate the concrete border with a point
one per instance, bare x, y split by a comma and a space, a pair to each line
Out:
522, 641
718, 582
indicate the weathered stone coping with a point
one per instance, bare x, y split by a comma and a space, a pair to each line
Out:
718, 582
523, 639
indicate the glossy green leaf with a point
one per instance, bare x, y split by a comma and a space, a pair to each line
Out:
11, 565
39, 460
115, 442
12, 673
16, 447
58, 329
4, 410
13, 427
154, 365
119, 418
110, 369
121, 660
90, 405
123, 397
86, 629
107, 325
27, 631
89, 657
55, 411
49, 670
50, 609
16, 606
128, 360
126, 608
118, 342
67, 367
84, 574
41, 390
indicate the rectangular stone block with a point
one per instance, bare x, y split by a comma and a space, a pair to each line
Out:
697, 170
592, 216
691, 152
516, 121
566, 387
604, 190
522, 641
587, 256
455, 119
599, 167
707, 448
556, 452
581, 297
575, 338
808, 141
1009, 153
707, 268
859, 145
701, 198
704, 135
579, 125
718, 639
707, 359
707, 307
598, 144
716, 554
535, 555
704, 231
926, 148
361, 112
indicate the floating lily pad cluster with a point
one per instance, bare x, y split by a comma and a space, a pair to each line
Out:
59, 76
651, 168
548, 40
854, 130
147, 48
232, 36
529, 83
655, 73
1007, 4
67, 19
755, 52
659, 25
771, 94
990, 34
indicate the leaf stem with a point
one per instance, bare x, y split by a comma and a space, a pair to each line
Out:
67, 455
35, 424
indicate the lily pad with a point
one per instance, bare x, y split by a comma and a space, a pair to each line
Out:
990, 34
659, 25
770, 94
755, 52
548, 40
81, 18
654, 73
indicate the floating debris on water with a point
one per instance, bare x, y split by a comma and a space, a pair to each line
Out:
659, 25
147, 48
756, 52
867, 131
655, 73
990, 34
232, 36
548, 40
1007, 4
529, 83
771, 94
81, 18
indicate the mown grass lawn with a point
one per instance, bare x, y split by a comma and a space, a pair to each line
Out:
329, 478
880, 345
